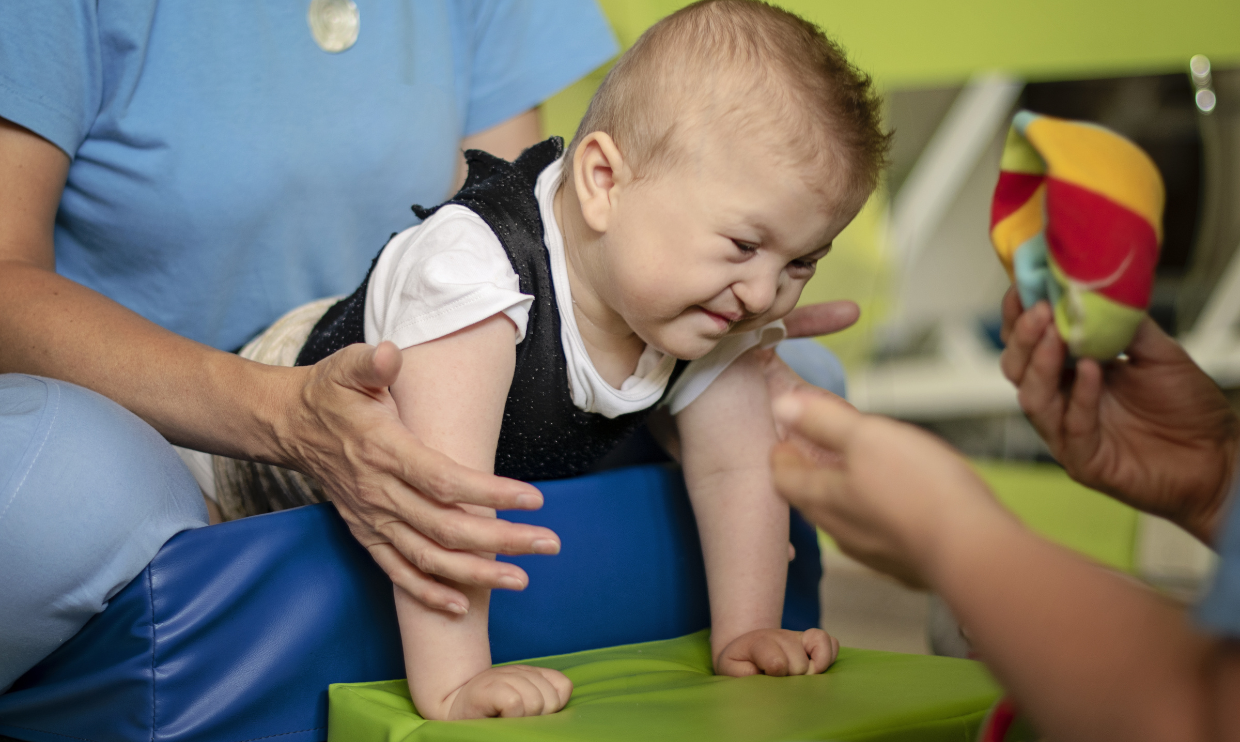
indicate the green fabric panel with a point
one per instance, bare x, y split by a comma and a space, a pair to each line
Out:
665, 690
1063, 511
1092, 325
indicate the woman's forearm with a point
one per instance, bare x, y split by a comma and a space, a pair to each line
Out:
1090, 654
51, 326
194, 395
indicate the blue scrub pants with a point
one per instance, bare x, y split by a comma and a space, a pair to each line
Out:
88, 494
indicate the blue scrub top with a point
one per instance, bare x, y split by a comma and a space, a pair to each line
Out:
1219, 612
226, 169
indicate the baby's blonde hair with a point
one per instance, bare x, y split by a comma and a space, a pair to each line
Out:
746, 65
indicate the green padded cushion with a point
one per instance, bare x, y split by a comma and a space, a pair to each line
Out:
665, 690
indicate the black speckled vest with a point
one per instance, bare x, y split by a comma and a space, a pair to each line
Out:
544, 435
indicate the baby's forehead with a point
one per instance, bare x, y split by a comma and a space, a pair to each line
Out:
756, 134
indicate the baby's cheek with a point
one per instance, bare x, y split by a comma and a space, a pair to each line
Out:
785, 301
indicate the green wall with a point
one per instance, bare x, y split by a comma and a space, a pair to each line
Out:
906, 43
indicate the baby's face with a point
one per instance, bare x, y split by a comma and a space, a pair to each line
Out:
720, 244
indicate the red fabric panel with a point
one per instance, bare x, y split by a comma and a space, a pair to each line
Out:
1012, 191
1091, 236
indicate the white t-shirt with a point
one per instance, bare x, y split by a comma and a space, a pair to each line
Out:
451, 271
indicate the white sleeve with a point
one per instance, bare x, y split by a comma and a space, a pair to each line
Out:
441, 276
700, 373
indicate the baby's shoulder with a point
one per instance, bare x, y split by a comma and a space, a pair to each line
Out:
451, 233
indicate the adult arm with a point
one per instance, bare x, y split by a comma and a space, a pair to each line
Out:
335, 421
1152, 429
1088, 653
506, 140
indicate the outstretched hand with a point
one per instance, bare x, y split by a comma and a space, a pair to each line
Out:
824, 318
1152, 430
888, 492
806, 321
778, 652
399, 498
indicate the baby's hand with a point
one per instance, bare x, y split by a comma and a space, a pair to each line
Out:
511, 691
778, 652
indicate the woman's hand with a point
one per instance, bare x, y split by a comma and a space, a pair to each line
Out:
1152, 430
399, 498
807, 321
887, 492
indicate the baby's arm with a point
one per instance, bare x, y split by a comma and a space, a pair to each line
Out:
451, 394
727, 434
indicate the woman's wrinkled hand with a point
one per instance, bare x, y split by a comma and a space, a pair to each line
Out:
1152, 429
339, 424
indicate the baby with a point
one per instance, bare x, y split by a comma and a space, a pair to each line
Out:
554, 302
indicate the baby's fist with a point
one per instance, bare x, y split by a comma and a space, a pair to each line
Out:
778, 652
511, 691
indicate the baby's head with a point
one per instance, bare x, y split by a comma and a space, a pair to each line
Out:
717, 161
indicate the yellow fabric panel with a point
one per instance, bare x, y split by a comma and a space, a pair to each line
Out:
1019, 156
1103, 162
1018, 228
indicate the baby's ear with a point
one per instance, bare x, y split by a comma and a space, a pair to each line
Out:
598, 167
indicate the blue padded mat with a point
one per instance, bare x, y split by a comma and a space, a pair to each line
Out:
234, 632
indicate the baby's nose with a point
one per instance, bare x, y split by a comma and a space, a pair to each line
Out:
755, 295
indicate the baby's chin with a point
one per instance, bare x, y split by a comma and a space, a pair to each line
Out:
691, 349
688, 349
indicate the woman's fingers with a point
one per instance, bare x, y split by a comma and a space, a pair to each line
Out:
821, 319
458, 566
419, 586
1012, 310
393, 491
441, 479
822, 418
1022, 338
1080, 420
1039, 392
809, 487
451, 527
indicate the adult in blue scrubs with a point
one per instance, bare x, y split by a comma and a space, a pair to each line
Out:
1087, 653
173, 177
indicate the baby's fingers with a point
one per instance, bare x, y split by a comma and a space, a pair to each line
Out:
561, 686
516, 696
536, 691
779, 653
822, 649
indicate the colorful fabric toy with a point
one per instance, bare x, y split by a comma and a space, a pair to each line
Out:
1077, 220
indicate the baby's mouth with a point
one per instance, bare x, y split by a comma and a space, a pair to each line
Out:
725, 321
